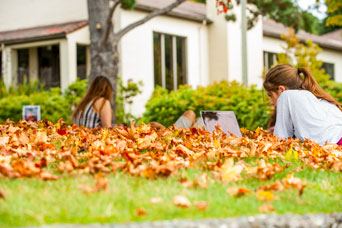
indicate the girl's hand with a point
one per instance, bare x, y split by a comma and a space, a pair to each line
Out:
156, 125
271, 129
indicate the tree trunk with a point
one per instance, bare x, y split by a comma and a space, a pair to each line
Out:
104, 42
104, 54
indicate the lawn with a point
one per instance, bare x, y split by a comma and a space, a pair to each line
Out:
99, 183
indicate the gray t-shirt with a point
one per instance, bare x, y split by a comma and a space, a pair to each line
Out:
303, 115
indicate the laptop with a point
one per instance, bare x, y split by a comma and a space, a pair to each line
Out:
225, 119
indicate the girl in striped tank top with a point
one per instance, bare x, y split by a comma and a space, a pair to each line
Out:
94, 110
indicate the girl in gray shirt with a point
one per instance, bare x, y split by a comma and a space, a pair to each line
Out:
303, 109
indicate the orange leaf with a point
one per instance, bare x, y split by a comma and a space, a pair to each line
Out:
266, 208
181, 201
140, 212
2, 194
201, 206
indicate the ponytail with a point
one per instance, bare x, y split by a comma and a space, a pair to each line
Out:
310, 84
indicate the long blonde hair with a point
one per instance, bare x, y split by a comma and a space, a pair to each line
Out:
100, 87
293, 78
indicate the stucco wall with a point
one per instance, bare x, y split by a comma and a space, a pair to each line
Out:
254, 51
334, 57
218, 46
136, 54
17, 14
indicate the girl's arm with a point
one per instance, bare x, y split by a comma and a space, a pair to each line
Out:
106, 115
284, 125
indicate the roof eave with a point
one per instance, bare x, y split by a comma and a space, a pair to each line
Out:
322, 45
34, 39
174, 14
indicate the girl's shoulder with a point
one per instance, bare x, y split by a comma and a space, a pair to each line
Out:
99, 103
297, 94
297, 97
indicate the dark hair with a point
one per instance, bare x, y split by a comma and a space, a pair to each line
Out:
100, 87
293, 78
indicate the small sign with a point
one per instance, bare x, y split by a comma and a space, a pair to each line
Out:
31, 112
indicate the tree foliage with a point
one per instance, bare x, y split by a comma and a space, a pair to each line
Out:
334, 13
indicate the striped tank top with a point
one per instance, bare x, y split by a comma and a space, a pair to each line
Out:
89, 118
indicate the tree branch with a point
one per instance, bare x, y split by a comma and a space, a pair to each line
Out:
109, 20
155, 13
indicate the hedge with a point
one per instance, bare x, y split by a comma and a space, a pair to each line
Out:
250, 105
54, 105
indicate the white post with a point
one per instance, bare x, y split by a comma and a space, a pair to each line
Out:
33, 63
64, 64
244, 43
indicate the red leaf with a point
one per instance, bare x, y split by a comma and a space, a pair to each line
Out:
62, 131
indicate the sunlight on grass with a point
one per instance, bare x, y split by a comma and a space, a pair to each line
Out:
35, 202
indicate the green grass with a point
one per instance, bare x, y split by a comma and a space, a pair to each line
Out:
35, 202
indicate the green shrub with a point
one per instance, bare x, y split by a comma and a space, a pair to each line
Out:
55, 105
334, 89
249, 105
22, 89
52, 104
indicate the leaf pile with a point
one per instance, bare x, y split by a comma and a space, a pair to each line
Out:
46, 150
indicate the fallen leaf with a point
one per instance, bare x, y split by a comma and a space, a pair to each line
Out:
62, 131
48, 176
266, 195
295, 182
7, 170
238, 192
85, 188
181, 201
2, 194
277, 186
101, 184
229, 172
266, 208
156, 200
201, 206
140, 212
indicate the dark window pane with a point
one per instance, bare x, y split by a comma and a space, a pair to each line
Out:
23, 66
270, 59
48, 61
329, 69
81, 62
157, 59
168, 62
181, 61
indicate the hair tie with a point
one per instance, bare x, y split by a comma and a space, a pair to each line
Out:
299, 71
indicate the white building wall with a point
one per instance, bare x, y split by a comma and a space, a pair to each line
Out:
274, 45
217, 44
334, 57
137, 52
82, 37
254, 51
18, 14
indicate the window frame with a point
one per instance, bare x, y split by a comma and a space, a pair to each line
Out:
174, 59
331, 77
266, 54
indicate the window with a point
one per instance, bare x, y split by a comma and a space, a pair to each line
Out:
23, 66
81, 62
329, 69
48, 62
270, 59
169, 60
